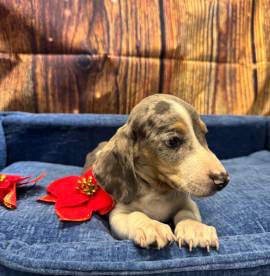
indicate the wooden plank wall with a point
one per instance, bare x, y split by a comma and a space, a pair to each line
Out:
104, 56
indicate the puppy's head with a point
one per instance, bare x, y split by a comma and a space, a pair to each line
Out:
171, 147
163, 143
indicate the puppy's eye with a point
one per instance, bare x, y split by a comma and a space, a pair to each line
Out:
174, 142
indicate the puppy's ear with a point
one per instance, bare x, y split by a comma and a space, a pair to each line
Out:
114, 168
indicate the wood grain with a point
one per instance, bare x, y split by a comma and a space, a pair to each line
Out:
104, 56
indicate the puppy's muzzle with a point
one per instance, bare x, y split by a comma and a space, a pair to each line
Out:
220, 180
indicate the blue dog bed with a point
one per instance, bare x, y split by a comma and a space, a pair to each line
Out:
33, 240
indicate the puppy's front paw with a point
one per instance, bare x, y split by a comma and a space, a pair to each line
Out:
152, 233
194, 233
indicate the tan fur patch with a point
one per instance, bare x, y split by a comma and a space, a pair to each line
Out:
154, 171
180, 127
203, 126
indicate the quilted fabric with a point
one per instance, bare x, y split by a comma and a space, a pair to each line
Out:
33, 240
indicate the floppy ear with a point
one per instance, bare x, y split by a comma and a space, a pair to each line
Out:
114, 167
91, 157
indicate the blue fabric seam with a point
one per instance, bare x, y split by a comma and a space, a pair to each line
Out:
219, 266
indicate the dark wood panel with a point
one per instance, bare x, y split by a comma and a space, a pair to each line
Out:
81, 83
16, 83
104, 56
127, 28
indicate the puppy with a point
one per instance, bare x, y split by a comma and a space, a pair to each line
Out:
152, 166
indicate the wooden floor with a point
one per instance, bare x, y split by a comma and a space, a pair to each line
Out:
105, 56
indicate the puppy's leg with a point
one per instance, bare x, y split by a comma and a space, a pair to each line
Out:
191, 231
136, 226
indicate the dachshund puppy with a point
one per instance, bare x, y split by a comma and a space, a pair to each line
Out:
152, 166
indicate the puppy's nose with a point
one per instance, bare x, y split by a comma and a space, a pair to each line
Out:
220, 179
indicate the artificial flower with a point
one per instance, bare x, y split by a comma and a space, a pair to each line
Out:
9, 184
77, 197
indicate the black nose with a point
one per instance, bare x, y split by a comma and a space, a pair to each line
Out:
220, 180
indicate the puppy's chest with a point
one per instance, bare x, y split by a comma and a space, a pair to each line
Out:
159, 206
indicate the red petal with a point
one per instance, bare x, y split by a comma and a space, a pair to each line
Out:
106, 210
14, 178
5, 184
38, 178
10, 198
47, 198
76, 213
28, 182
101, 200
71, 198
3, 193
61, 185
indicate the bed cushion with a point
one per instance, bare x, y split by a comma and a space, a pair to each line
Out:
33, 240
67, 138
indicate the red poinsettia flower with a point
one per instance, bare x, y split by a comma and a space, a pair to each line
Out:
9, 184
77, 197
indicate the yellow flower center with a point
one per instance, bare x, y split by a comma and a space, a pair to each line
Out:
2, 177
87, 186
